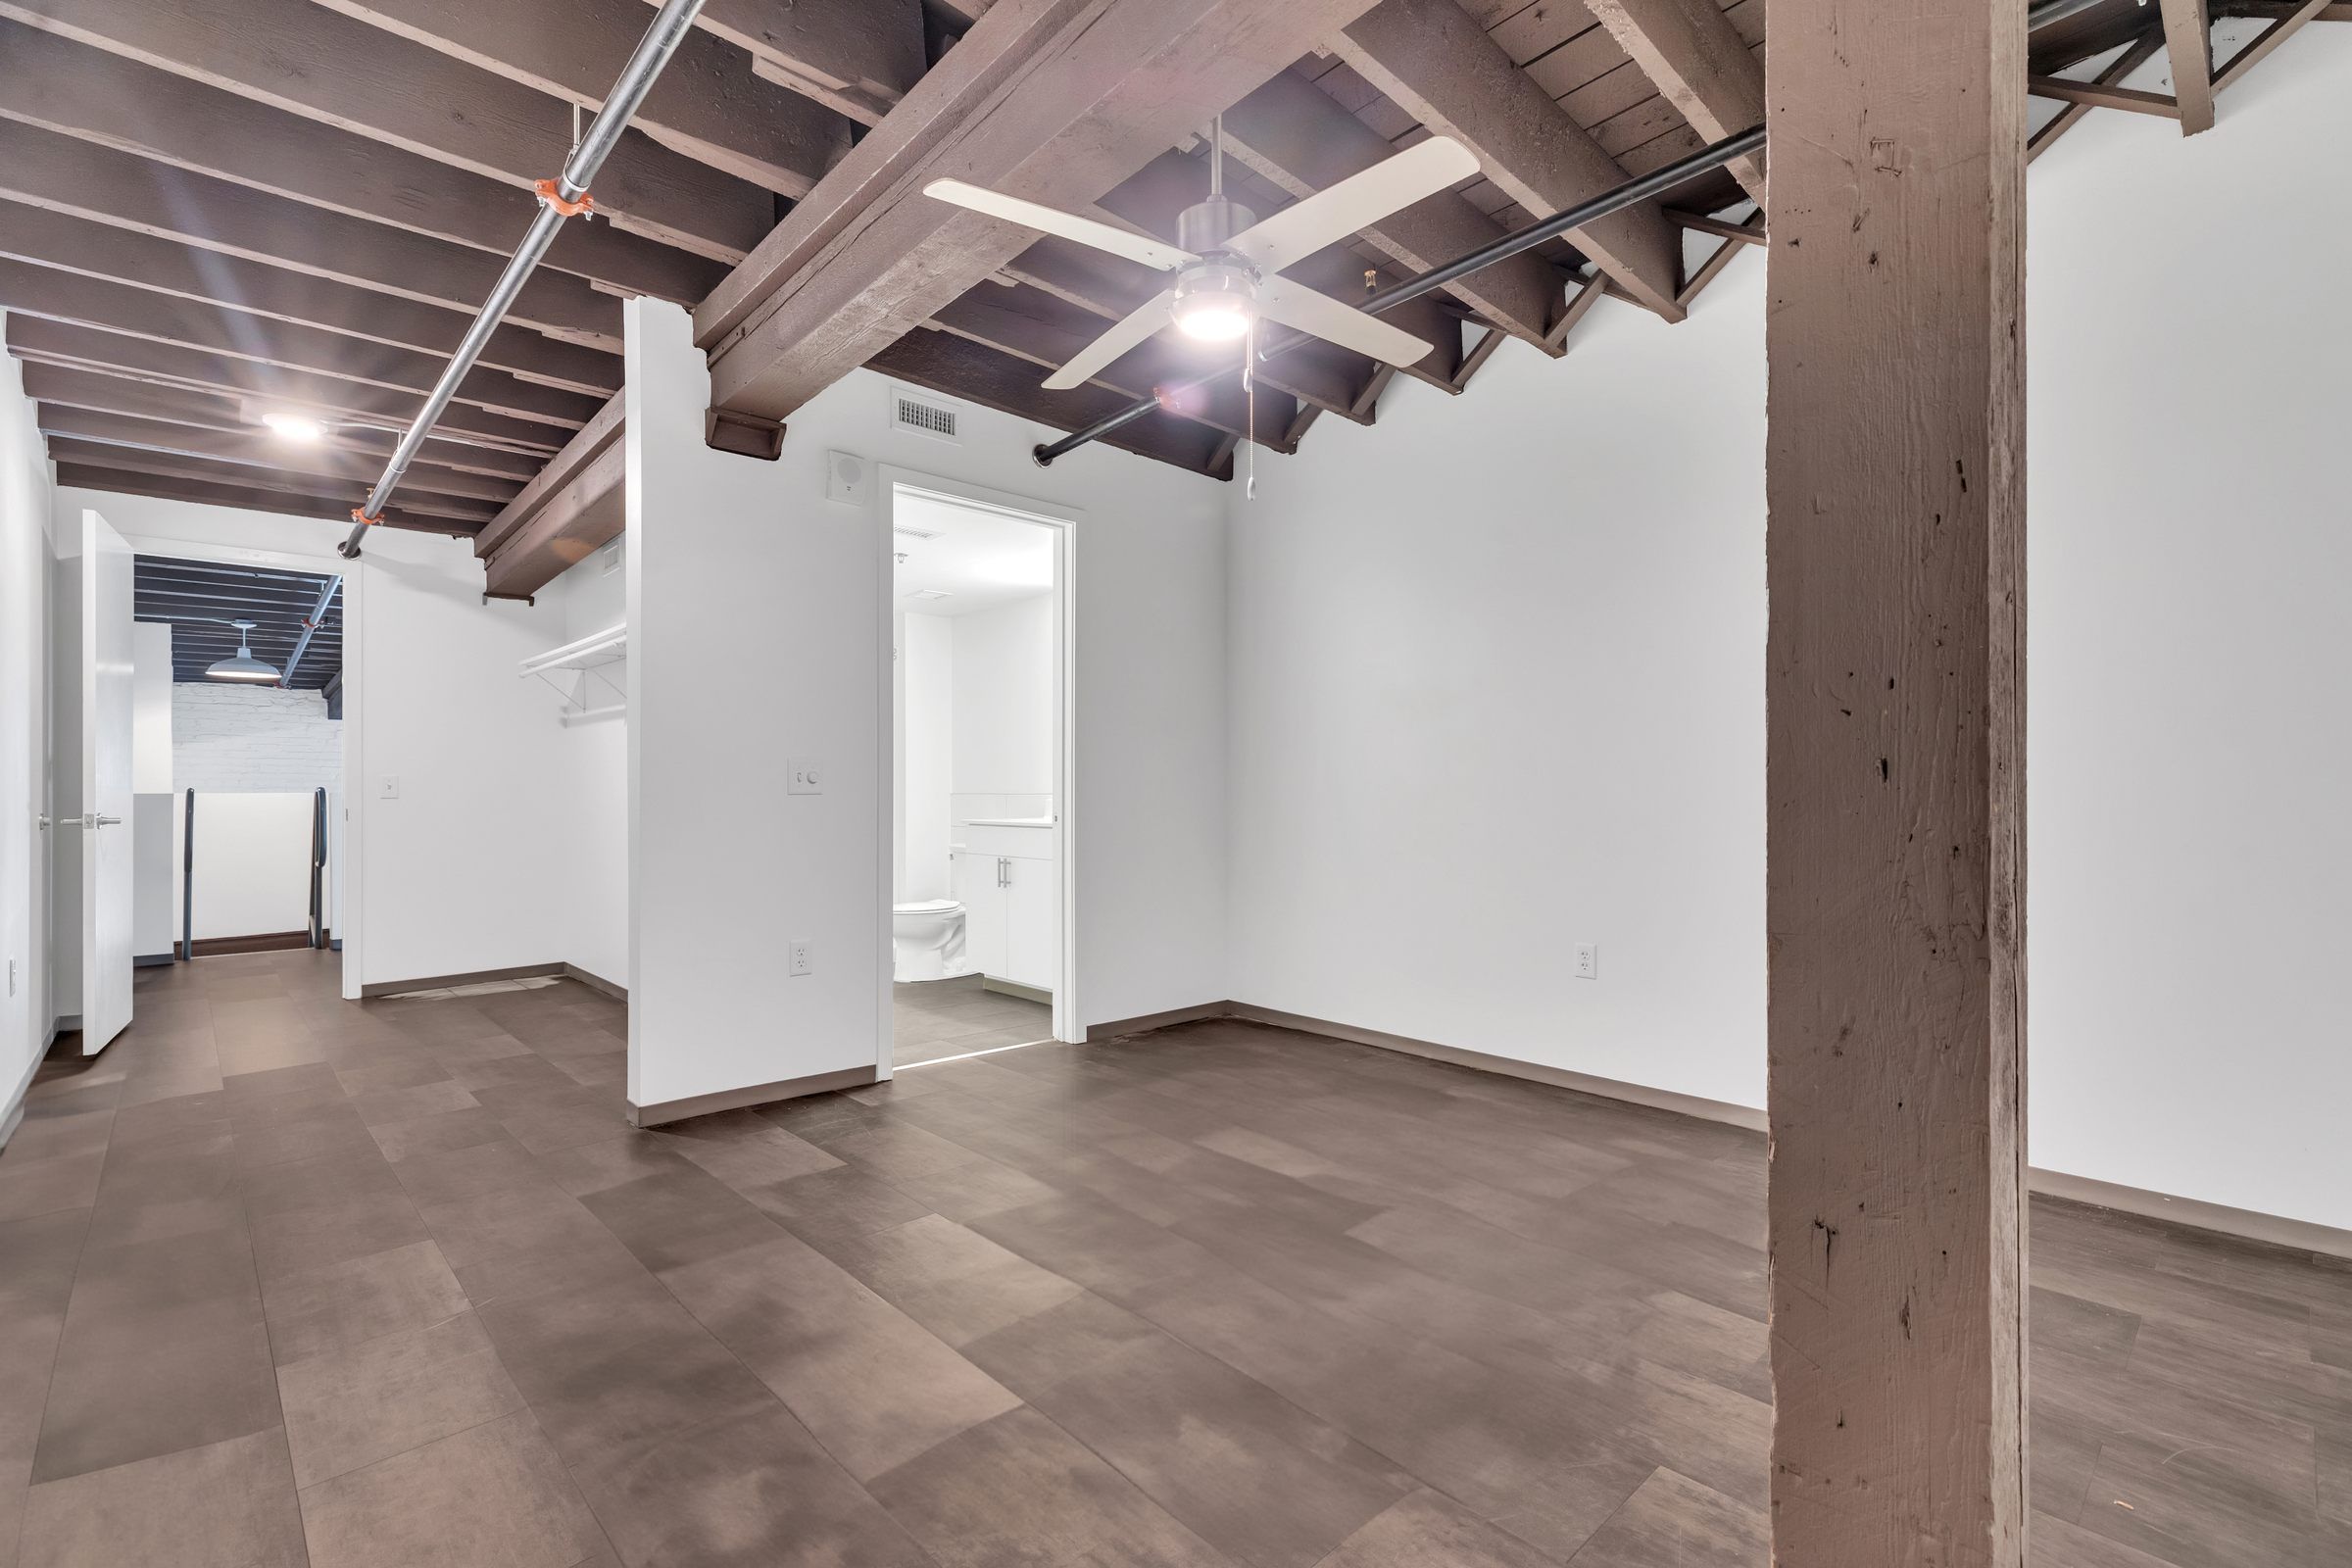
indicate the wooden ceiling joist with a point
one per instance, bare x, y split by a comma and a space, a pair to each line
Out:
959, 367
1297, 137
1430, 57
307, 61
123, 480
574, 505
448, 512
94, 302
1054, 100
100, 185
1033, 325
1689, 50
66, 87
858, 56
264, 449
2188, 38
330, 398
69, 387
47, 238
708, 103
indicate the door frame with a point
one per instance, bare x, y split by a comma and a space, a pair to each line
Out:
1061, 523
351, 874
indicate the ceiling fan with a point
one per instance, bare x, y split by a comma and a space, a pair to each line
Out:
1226, 271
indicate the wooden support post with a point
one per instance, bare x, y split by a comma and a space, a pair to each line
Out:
1895, 758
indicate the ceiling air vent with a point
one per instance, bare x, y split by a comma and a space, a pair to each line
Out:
921, 415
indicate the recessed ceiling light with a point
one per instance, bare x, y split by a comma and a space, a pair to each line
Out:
294, 427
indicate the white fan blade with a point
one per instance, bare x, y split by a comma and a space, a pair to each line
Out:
1144, 320
1069, 225
1357, 201
1309, 311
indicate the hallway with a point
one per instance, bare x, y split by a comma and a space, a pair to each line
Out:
288, 1280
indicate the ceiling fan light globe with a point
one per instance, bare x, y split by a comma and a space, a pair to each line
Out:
1214, 304
1213, 320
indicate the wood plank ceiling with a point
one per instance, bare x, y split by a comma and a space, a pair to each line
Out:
215, 209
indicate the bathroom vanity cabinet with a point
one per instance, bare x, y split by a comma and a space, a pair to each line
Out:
1011, 890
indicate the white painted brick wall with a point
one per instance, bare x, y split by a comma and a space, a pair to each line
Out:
252, 738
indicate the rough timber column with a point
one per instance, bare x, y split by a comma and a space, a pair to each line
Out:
1895, 771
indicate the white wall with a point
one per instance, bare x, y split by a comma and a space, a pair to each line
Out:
252, 738
746, 581
151, 707
1004, 702
1496, 680
465, 870
25, 563
926, 755
593, 800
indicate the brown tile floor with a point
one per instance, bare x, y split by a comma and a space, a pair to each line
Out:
934, 1019
287, 1280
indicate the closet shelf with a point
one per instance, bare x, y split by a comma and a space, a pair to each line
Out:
607, 647
590, 658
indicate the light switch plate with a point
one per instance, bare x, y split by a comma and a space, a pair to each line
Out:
802, 776
387, 786
796, 957
1588, 960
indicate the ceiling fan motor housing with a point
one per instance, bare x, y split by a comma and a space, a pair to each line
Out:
1220, 287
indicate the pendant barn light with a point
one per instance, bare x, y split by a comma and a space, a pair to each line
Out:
242, 666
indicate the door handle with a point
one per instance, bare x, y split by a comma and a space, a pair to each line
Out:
90, 819
105, 821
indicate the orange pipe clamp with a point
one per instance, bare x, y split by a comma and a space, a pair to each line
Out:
360, 516
551, 194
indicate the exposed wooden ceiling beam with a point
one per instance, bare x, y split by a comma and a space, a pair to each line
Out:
1054, 100
2188, 38
1441, 67
102, 185
2270, 38
71, 386
709, 104
2131, 59
1297, 137
599, 435
261, 449
64, 87
2105, 95
448, 511
167, 319
1698, 61
120, 478
311, 62
574, 505
39, 341
49, 238
858, 56
1031, 325
962, 368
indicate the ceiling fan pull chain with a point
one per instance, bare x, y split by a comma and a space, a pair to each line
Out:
1250, 414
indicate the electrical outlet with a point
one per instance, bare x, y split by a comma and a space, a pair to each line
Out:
796, 957
802, 776
1588, 960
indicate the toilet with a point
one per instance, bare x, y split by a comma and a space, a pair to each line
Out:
927, 941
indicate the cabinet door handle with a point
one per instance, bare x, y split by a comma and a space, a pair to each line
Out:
1004, 873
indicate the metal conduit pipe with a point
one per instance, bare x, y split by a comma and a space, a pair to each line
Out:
558, 199
1632, 192
310, 625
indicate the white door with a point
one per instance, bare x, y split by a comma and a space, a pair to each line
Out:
104, 796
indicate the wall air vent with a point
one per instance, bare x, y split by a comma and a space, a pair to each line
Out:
930, 593
915, 533
918, 414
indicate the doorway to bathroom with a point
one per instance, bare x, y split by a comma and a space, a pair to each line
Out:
979, 865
